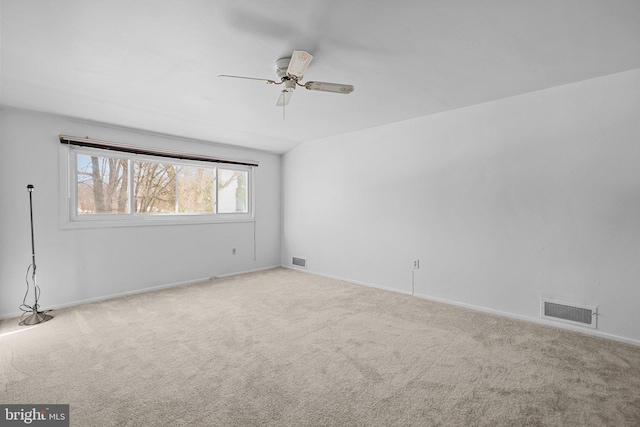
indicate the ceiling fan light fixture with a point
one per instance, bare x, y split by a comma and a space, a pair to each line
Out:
289, 85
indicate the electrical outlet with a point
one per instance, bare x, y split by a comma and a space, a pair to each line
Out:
416, 264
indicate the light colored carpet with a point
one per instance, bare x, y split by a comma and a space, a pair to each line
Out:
284, 348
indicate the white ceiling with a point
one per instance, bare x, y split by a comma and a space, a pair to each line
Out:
152, 64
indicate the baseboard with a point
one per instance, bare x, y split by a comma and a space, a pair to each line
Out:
535, 320
139, 291
255, 270
357, 282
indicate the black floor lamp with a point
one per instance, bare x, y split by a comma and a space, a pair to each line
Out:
36, 316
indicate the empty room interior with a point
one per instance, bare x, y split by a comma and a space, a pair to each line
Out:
320, 213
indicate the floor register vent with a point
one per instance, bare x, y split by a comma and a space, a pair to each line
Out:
580, 315
299, 262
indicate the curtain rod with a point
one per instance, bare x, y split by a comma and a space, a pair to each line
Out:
106, 145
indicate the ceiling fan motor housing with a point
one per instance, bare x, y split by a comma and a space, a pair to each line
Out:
282, 65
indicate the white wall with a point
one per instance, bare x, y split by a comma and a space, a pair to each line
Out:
82, 264
506, 202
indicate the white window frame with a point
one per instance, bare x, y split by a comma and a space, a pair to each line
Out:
69, 198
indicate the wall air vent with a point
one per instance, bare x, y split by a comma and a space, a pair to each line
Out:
569, 313
299, 262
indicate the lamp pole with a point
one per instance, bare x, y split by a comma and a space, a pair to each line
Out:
36, 316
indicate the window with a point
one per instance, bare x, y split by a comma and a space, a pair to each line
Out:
115, 187
102, 185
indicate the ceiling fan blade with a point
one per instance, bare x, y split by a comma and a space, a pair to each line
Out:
248, 78
299, 62
284, 98
329, 87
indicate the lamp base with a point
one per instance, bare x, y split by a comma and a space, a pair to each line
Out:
35, 318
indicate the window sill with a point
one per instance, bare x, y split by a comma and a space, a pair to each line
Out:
103, 221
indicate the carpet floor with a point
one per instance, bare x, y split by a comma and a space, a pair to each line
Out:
285, 348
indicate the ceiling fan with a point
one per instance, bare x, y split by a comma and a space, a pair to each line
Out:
290, 70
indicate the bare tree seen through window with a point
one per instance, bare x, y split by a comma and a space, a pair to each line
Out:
158, 187
102, 185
